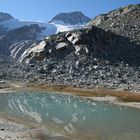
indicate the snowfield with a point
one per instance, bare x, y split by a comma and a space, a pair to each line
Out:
46, 28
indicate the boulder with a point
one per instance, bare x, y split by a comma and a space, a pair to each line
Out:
61, 46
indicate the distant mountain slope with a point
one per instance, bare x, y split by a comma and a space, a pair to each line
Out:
72, 18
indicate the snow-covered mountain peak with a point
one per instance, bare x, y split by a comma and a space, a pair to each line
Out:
47, 29
72, 18
5, 16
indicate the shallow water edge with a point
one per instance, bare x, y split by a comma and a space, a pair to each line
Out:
116, 96
71, 116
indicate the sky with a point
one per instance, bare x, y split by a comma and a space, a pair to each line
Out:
45, 10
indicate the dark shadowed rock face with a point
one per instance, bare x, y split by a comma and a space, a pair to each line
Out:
18, 48
13, 37
5, 16
71, 18
2, 30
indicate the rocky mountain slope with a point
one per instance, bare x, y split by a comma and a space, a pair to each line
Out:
89, 57
123, 21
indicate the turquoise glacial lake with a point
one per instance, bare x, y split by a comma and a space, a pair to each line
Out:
74, 117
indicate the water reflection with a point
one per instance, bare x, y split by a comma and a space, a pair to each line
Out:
73, 116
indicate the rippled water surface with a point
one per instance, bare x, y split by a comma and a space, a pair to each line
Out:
74, 117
